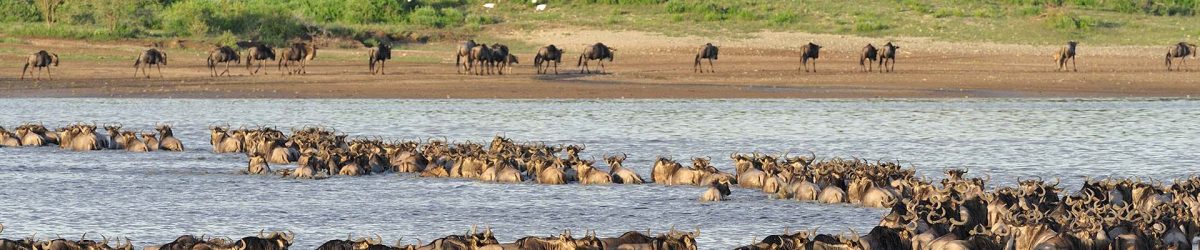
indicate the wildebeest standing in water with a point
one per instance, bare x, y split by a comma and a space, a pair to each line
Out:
547, 54
1181, 51
597, 52
300, 53
223, 54
480, 54
259, 52
809, 51
1064, 54
869, 53
149, 57
464, 51
39, 60
888, 53
380, 54
708, 51
717, 191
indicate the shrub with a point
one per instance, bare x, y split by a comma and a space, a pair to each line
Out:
18, 11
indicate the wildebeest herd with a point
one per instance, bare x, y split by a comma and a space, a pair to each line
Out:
85, 137
957, 212
479, 59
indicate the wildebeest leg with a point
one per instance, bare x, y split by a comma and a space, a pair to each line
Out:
160, 74
711, 68
1073, 66
382, 64
555, 67
601, 66
48, 75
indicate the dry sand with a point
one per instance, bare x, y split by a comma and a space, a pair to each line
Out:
762, 65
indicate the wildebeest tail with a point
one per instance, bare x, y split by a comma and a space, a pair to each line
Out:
580, 62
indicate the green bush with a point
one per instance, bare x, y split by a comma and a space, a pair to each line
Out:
426, 16
867, 23
19, 11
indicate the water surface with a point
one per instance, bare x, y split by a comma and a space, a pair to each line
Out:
153, 197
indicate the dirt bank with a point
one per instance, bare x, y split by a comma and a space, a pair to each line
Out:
647, 66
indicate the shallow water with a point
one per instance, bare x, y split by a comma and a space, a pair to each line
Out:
154, 197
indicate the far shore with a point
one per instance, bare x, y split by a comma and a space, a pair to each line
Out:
645, 66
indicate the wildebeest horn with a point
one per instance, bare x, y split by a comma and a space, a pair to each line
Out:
378, 239
103, 242
84, 237
290, 236
260, 232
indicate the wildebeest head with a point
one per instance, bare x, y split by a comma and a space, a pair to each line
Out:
165, 130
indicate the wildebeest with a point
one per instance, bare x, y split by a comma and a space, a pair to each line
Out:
869, 53
481, 54
150, 57
39, 60
258, 165
300, 53
619, 173
167, 140
1066, 53
1181, 51
544, 56
708, 51
464, 51
223, 54
152, 143
598, 52
259, 52
501, 58
887, 57
380, 54
717, 191
274, 241
223, 142
809, 51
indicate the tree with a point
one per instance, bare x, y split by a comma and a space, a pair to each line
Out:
48, 9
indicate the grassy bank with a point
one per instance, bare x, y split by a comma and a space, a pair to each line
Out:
1112, 22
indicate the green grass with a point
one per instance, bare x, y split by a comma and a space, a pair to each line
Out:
1008, 21
1099, 22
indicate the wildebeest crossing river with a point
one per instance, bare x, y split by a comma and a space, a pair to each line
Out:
154, 197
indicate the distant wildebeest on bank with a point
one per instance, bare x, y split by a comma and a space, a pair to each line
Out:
598, 52
147, 58
869, 53
464, 52
223, 54
547, 54
1064, 54
481, 54
380, 54
39, 60
1181, 51
708, 51
502, 58
300, 53
259, 52
809, 51
887, 54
